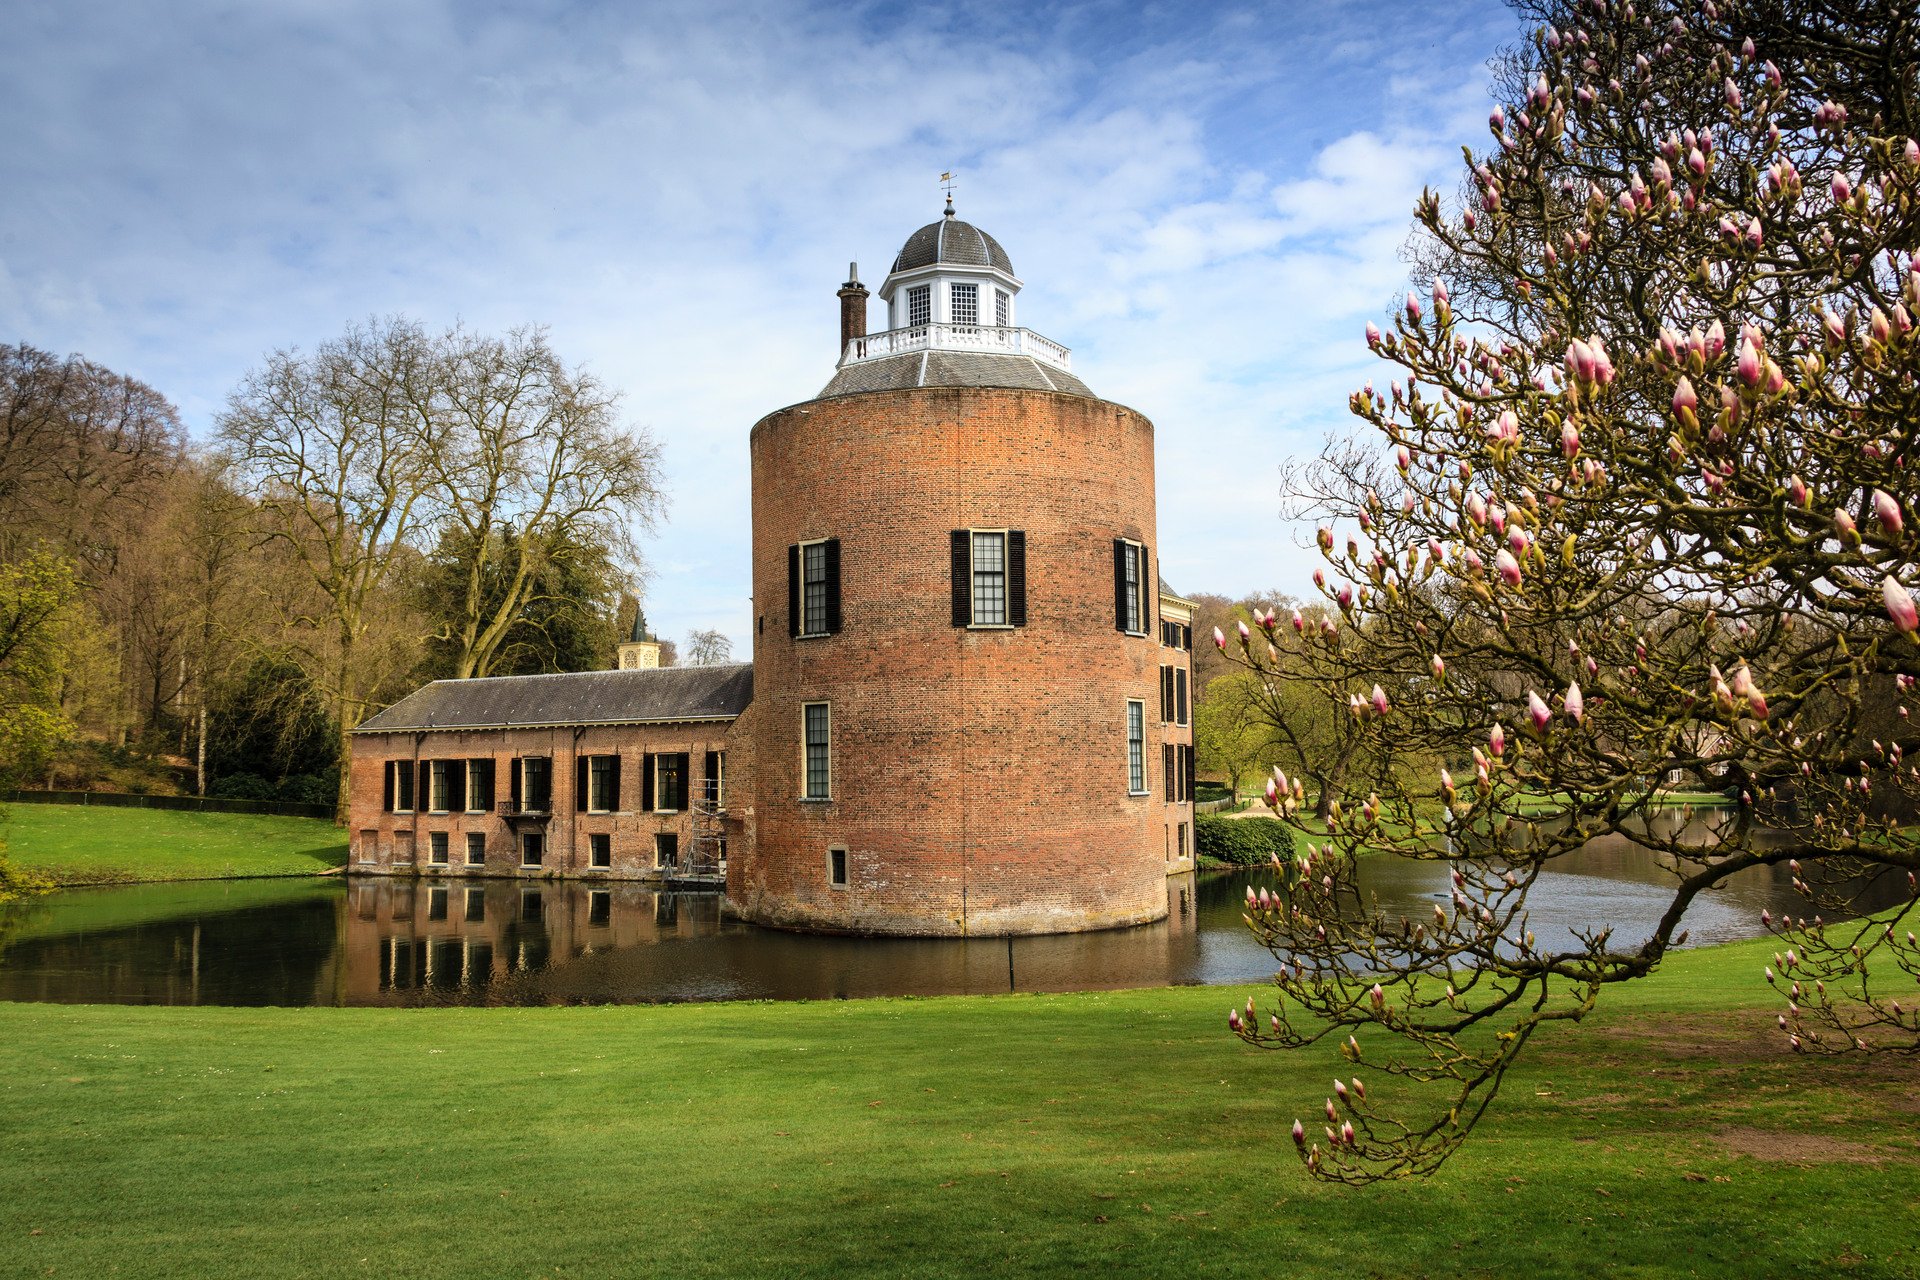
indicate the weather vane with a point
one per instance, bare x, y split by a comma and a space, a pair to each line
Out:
946, 183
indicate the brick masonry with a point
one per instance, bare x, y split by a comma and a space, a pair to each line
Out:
980, 781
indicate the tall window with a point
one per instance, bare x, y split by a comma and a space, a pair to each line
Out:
1001, 306
600, 849
813, 577
816, 735
479, 785
536, 783
1136, 747
670, 781
989, 579
400, 786
441, 776
476, 849
963, 303
437, 848
1129, 571
600, 782
919, 305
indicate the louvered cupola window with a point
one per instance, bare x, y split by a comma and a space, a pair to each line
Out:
963, 303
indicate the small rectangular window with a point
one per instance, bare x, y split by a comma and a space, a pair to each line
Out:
533, 849
476, 849
989, 579
1136, 747
1001, 307
963, 303
666, 849
436, 904
816, 733
1183, 841
919, 305
837, 868
476, 905
600, 783
437, 848
813, 578
403, 786
441, 774
600, 848
599, 908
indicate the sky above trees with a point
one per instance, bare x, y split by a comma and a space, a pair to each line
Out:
1206, 203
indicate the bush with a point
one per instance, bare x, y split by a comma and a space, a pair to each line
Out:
310, 788
241, 786
1246, 842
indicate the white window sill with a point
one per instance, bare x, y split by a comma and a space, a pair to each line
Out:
991, 626
1139, 793
814, 635
816, 799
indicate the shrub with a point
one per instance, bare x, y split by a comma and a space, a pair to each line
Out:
1246, 842
241, 786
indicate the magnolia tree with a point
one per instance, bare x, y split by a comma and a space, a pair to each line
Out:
1635, 508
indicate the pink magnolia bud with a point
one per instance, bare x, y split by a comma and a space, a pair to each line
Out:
1325, 538
1439, 666
1440, 301
1299, 623
1233, 1020
1219, 639
1569, 440
1346, 595
1887, 510
1754, 237
1749, 368
1379, 700
1507, 425
1746, 49
1836, 328
1537, 713
1842, 190
1507, 567
1402, 458
1843, 528
1773, 76
1413, 310
1497, 120
1373, 334
1319, 580
1900, 606
1497, 741
1733, 95
1714, 342
1576, 705
1299, 1134
1797, 492
1684, 400
1879, 329
1377, 995
1245, 635
1476, 509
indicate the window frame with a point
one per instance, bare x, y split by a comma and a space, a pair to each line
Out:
973, 581
920, 301
826, 589
439, 786
1136, 728
478, 769
680, 776
807, 793
529, 765
1136, 602
403, 781
955, 290
661, 840
600, 775
530, 841
476, 842
844, 866
599, 850
1002, 309
439, 849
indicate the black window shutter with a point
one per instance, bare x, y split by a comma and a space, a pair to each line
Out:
1016, 577
513, 782
1167, 773
1180, 695
1120, 583
646, 783
386, 793
961, 547
485, 798
423, 795
1188, 772
1166, 695
833, 586
712, 774
613, 786
457, 785
1149, 592
685, 761
1186, 638
793, 591
580, 783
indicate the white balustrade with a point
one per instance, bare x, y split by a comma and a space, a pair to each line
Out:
957, 337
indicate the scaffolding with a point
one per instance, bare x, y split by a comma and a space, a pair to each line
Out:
707, 852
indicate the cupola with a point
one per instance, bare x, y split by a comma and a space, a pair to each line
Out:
639, 651
950, 272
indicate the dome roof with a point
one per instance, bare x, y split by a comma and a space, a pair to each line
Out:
951, 241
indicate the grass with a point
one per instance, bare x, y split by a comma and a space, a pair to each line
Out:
1112, 1133
85, 844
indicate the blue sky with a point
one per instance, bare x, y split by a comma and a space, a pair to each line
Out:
1206, 203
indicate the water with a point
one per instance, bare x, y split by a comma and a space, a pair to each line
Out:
498, 942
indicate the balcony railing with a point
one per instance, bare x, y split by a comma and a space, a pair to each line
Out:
987, 339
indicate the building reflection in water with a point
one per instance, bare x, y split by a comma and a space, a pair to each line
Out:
560, 942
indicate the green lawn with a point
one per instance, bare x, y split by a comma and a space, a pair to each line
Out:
85, 844
1114, 1133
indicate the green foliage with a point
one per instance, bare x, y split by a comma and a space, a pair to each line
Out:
270, 721
567, 622
34, 592
241, 786
1245, 842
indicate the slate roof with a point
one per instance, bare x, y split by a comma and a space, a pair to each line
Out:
659, 694
950, 240
952, 369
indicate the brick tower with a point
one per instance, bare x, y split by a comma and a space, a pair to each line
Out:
964, 717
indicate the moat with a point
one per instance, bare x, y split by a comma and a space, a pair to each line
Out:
501, 942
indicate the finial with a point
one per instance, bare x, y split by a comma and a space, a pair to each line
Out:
949, 206
946, 184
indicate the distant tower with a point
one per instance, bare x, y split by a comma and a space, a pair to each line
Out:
957, 724
639, 650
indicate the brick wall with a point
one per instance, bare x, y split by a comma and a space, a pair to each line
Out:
980, 776
383, 842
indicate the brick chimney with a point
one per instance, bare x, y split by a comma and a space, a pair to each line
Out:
853, 308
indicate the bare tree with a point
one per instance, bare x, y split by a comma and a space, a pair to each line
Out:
708, 648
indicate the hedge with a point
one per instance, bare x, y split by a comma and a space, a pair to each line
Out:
1246, 842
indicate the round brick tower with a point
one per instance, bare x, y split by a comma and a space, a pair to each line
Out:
957, 692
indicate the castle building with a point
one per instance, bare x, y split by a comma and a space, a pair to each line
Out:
968, 710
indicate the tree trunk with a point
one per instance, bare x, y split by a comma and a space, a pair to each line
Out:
200, 766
